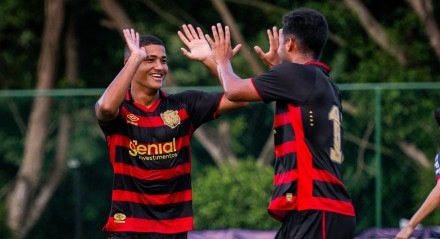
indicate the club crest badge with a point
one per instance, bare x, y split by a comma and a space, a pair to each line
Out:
170, 118
119, 218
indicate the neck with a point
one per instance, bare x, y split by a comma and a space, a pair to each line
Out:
301, 59
144, 96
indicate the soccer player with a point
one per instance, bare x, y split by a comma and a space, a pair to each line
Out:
148, 134
309, 197
431, 202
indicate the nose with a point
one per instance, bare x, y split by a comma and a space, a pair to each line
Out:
158, 64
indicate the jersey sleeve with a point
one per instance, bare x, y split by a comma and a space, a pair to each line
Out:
202, 106
110, 127
286, 82
437, 166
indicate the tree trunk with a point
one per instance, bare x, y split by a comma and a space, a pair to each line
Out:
414, 153
64, 131
28, 176
119, 19
425, 11
376, 32
216, 144
236, 35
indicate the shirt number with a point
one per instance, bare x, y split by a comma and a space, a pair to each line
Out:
335, 151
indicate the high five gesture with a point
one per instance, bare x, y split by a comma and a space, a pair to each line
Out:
132, 40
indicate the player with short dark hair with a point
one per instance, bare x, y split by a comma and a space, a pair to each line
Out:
431, 202
148, 133
309, 195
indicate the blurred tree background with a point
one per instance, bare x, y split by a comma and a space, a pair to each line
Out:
54, 172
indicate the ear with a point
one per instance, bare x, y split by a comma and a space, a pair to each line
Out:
291, 44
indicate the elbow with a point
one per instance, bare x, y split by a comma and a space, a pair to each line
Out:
243, 103
232, 95
105, 111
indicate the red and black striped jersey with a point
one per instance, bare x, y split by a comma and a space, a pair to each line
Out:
308, 149
149, 150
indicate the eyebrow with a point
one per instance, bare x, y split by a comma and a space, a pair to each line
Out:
155, 56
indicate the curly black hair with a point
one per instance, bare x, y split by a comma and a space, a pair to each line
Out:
309, 27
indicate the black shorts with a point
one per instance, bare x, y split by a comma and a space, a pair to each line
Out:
134, 235
314, 224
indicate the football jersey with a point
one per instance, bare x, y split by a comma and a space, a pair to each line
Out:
149, 150
308, 149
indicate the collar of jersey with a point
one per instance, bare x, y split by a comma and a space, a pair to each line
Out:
320, 64
151, 108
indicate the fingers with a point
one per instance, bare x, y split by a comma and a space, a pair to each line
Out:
236, 49
221, 34
210, 41
227, 36
259, 52
184, 52
183, 38
193, 32
273, 38
275, 31
137, 39
200, 32
131, 37
215, 34
187, 32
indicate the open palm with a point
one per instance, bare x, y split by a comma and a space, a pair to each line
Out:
132, 40
198, 47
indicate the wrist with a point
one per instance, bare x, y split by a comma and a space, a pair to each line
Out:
208, 60
411, 227
137, 56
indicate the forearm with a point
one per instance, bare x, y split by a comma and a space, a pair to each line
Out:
108, 104
210, 64
429, 205
228, 79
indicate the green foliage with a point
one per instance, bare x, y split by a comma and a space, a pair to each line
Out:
233, 197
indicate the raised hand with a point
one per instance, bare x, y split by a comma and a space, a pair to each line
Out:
270, 58
221, 44
198, 47
132, 40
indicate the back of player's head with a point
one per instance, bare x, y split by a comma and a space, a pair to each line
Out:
310, 29
145, 41
437, 116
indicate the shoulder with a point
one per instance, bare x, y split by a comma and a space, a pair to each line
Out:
289, 69
293, 67
193, 96
187, 94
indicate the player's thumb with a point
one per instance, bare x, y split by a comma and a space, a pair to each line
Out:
236, 49
184, 52
259, 52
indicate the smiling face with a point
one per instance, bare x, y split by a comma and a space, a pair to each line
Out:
153, 70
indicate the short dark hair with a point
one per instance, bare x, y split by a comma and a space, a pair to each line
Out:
310, 29
145, 41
